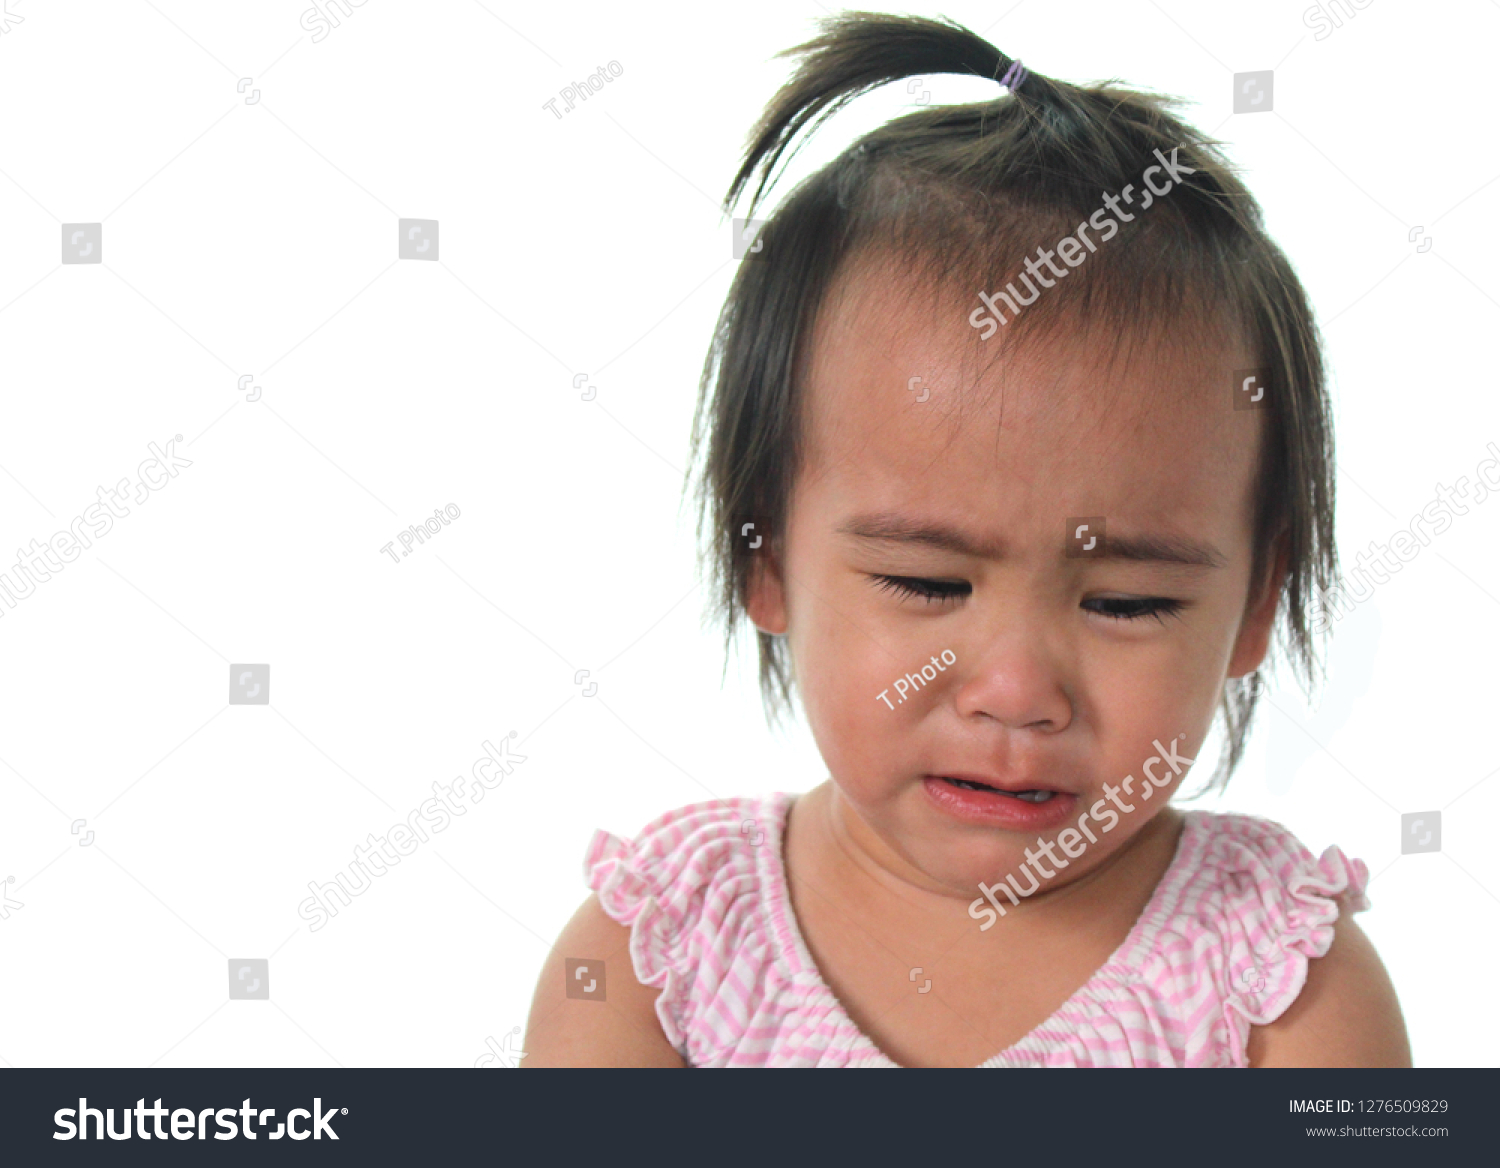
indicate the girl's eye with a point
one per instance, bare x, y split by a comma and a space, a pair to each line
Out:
1134, 607
940, 591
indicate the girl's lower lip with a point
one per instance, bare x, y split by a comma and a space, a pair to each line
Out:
995, 810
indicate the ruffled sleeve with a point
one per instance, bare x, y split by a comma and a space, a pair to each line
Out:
1249, 916
688, 888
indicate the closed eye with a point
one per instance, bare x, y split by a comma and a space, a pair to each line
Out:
1134, 607
940, 591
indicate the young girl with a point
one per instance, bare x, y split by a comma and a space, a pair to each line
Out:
1017, 447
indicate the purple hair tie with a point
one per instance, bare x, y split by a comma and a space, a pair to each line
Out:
1016, 74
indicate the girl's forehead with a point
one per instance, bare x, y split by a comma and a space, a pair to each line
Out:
906, 391
877, 329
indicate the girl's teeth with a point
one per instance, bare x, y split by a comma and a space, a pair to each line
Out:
1029, 796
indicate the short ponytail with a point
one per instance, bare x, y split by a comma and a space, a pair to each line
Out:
855, 53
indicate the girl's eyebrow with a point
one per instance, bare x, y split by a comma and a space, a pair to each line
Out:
888, 527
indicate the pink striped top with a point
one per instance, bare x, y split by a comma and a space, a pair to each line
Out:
1223, 943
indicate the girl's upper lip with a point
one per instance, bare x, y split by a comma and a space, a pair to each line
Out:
1013, 785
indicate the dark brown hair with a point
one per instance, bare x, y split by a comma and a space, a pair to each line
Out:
960, 195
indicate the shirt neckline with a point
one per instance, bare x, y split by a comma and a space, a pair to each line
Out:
797, 963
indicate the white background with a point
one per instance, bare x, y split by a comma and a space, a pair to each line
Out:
261, 239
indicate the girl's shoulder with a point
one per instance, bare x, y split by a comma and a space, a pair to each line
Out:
679, 857
696, 887
1226, 939
1256, 870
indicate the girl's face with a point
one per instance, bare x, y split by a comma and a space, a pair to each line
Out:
945, 613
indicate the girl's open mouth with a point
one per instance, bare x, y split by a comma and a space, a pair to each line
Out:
1036, 795
977, 802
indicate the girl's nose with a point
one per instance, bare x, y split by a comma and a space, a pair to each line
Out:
1015, 680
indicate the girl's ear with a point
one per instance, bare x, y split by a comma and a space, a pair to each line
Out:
1260, 615
765, 594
